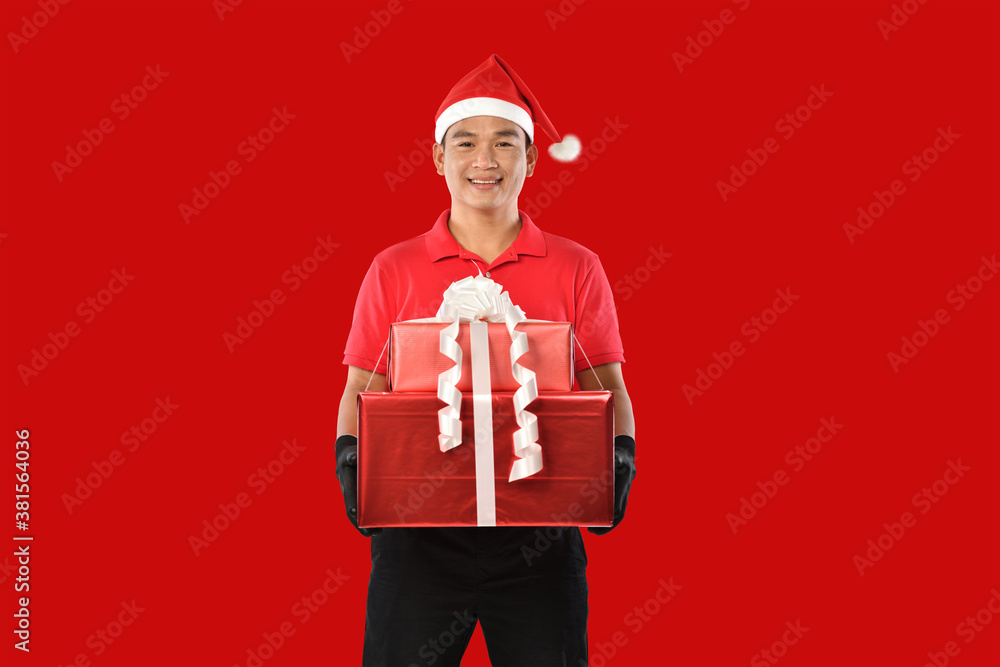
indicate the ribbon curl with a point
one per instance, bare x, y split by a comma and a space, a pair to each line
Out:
479, 298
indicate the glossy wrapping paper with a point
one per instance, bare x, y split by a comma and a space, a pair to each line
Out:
404, 479
416, 361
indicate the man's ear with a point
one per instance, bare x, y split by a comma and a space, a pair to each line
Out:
532, 157
437, 152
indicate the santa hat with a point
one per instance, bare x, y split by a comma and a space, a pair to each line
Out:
495, 89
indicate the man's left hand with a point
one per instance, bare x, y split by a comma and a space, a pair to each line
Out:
624, 474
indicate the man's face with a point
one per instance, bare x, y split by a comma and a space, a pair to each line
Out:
485, 148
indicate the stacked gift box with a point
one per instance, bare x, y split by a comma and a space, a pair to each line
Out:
408, 476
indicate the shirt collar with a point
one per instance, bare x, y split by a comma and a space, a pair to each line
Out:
440, 243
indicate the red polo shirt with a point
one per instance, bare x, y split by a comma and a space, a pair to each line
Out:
549, 277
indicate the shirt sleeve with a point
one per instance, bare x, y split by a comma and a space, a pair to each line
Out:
596, 325
374, 311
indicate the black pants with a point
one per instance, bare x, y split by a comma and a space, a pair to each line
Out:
429, 587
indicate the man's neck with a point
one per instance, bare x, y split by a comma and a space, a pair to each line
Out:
486, 233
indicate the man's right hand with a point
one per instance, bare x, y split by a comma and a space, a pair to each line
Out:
346, 451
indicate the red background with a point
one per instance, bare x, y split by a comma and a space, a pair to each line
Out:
654, 185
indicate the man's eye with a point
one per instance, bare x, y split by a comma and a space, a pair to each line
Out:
504, 143
465, 143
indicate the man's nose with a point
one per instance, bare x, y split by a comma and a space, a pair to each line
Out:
484, 157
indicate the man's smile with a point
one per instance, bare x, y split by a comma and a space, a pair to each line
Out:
484, 184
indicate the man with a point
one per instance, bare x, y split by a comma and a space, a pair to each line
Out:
430, 586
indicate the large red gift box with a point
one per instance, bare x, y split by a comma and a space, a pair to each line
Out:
416, 361
404, 479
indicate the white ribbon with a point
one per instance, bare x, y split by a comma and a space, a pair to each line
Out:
471, 300
486, 502
526, 447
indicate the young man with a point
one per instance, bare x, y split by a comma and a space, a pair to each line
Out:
429, 586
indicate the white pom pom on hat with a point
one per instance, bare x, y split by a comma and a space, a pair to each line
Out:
567, 150
495, 89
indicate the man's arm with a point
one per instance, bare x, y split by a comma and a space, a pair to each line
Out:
357, 380
346, 447
610, 376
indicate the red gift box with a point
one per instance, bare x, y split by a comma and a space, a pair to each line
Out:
416, 361
404, 479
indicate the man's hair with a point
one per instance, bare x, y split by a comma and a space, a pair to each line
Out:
527, 139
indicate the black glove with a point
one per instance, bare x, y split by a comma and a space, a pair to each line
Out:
346, 451
624, 474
